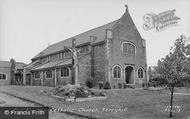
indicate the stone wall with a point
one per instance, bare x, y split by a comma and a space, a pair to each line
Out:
84, 68
49, 81
125, 31
63, 80
99, 62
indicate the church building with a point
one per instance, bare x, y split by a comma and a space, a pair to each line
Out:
114, 53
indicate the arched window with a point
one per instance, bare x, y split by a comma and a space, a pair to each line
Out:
65, 72
49, 74
2, 76
128, 48
140, 73
117, 72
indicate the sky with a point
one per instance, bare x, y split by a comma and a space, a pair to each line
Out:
28, 26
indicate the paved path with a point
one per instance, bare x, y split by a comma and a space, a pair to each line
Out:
11, 101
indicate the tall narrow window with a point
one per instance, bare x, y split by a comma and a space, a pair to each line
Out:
65, 72
37, 75
116, 72
49, 74
128, 48
140, 73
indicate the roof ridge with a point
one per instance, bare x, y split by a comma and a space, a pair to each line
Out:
5, 61
68, 40
84, 32
15, 62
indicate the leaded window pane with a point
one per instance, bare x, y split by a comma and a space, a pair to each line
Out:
128, 48
49, 74
64, 72
117, 72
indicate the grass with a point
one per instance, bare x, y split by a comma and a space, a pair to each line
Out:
120, 103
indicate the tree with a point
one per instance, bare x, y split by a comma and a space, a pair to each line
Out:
175, 66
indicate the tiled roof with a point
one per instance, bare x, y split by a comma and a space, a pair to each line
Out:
53, 64
19, 65
5, 64
82, 38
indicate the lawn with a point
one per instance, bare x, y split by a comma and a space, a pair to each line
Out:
120, 103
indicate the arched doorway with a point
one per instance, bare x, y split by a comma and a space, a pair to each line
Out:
129, 75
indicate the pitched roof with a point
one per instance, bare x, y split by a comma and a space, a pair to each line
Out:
20, 65
7, 64
82, 38
53, 64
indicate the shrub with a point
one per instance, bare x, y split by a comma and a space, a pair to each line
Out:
143, 85
80, 93
102, 94
120, 85
107, 85
100, 83
90, 83
157, 81
129, 86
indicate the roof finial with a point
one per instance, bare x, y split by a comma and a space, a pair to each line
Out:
126, 7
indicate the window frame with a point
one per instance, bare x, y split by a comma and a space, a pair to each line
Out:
55, 57
113, 69
85, 47
62, 76
37, 77
44, 60
1, 73
67, 54
126, 42
51, 74
140, 68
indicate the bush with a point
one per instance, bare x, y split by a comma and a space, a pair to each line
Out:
129, 86
107, 85
144, 85
120, 85
80, 93
100, 83
90, 83
157, 81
